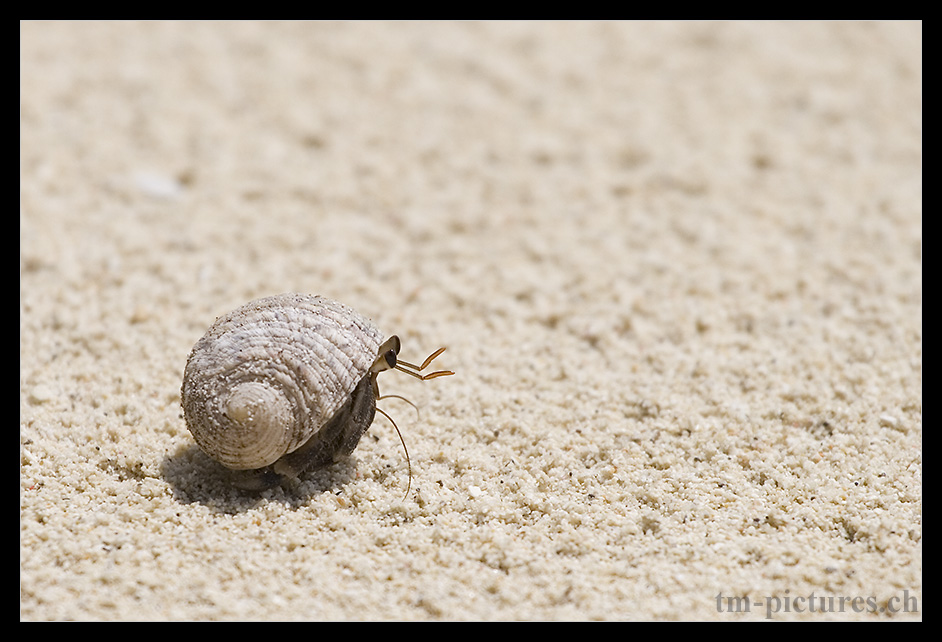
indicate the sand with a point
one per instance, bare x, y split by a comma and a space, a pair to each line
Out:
677, 268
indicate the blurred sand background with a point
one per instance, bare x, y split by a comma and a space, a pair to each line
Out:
677, 267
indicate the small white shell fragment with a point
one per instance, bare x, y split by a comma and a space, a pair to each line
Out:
475, 491
41, 393
157, 185
889, 421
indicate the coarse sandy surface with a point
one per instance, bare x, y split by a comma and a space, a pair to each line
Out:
677, 267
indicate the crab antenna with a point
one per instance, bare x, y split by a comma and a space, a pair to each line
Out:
414, 370
417, 414
408, 461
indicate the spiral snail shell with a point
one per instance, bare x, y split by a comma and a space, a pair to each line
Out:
286, 384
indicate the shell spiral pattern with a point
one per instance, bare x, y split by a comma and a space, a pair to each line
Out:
268, 375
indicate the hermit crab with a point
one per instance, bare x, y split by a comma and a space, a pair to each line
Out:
287, 384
